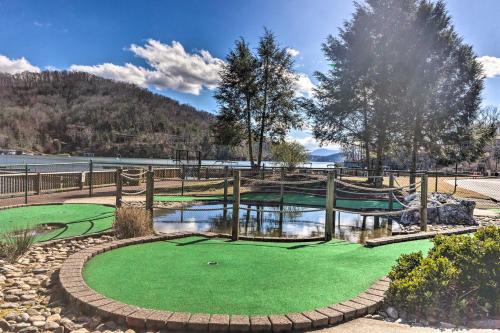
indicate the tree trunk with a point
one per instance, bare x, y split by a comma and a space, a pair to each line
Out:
264, 109
249, 130
414, 149
379, 171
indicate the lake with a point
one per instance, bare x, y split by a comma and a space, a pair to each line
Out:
50, 159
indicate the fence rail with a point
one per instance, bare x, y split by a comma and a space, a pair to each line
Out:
181, 179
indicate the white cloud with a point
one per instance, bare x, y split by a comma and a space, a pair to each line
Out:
13, 66
171, 67
41, 24
128, 73
292, 52
306, 138
491, 66
304, 86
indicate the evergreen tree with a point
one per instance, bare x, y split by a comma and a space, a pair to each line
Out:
256, 95
403, 79
236, 96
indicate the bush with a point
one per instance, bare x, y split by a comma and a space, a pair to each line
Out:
16, 243
132, 222
289, 154
458, 281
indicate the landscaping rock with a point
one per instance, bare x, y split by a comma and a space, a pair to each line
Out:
442, 209
392, 313
4, 325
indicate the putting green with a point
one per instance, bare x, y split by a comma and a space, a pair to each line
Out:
289, 198
251, 278
77, 219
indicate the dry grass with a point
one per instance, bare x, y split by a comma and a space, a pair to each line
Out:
444, 185
16, 243
132, 222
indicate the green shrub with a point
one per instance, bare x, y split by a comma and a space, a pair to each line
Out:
405, 264
16, 243
459, 280
132, 222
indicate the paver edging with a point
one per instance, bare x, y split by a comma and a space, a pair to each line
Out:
417, 236
91, 302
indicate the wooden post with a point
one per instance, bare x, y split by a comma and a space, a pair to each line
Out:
82, 180
436, 182
91, 178
391, 196
183, 174
225, 183
236, 206
118, 182
26, 183
263, 173
38, 183
150, 188
282, 188
330, 204
423, 203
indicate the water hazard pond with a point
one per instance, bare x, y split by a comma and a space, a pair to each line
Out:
259, 220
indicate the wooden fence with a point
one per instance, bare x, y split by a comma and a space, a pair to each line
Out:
46, 182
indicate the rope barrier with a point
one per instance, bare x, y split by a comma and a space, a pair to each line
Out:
140, 174
361, 193
376, 213
282, 211
134, 193
283, 182
402, 204
383, 190
131, 178
194, 209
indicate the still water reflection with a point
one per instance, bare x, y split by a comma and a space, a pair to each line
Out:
294, 222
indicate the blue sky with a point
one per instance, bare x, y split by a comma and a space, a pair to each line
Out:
103, 36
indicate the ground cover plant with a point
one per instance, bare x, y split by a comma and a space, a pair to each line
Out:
14, 244
132, 222
458, 281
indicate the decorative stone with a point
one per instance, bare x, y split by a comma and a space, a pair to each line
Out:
178, 321
334, 316
318, 319
51, 325
347, 311
218, 323
239, 323
260, 324
392, 312
4, 325
442, 208
299, 321
198, 322
280, 323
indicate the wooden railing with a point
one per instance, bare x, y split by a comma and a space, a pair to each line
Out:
45, 182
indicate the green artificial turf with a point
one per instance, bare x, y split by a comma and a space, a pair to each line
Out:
290, 198
78, 219
252, 278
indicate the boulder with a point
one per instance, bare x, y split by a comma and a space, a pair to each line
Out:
442, 208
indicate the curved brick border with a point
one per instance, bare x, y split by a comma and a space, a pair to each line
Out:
91, 302
418, 235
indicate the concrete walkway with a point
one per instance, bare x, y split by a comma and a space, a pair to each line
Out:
365, 325
488, 187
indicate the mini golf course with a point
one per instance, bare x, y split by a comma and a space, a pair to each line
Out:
75, 219
201, 275
289, 198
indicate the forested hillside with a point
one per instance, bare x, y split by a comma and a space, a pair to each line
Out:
58, 112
